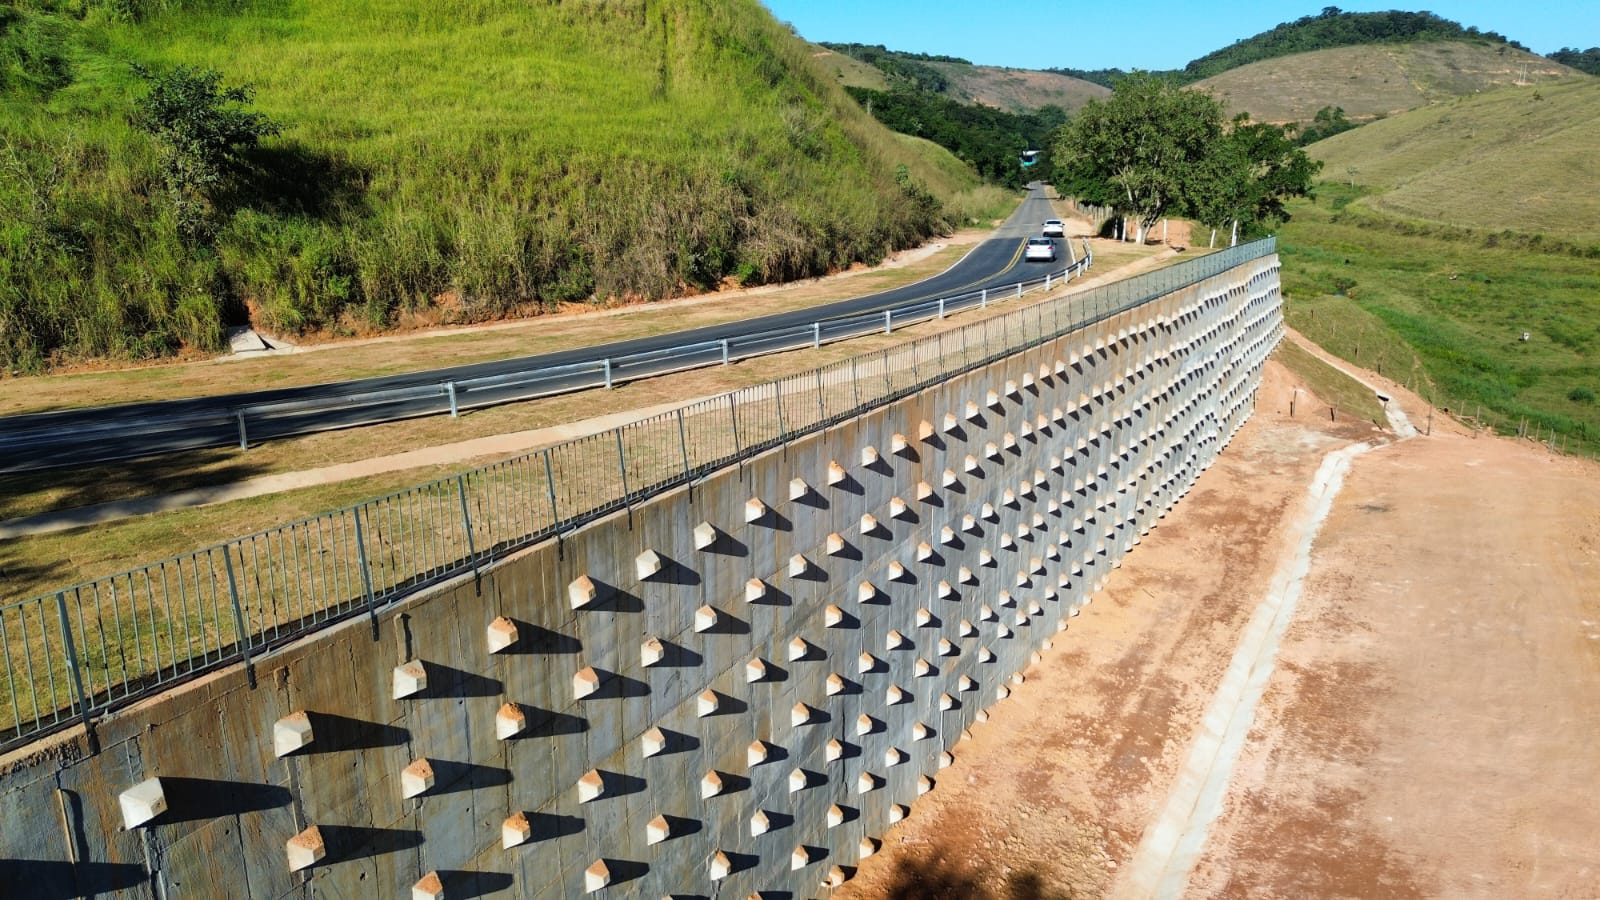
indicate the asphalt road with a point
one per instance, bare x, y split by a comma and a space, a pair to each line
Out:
106, 433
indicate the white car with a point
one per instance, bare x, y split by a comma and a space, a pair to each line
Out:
1040, 250
1054, 228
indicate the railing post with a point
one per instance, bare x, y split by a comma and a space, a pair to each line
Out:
622, 463
816, 335
238, 617
724, 351
607, 362
683, 444
71, 649
244, 438
466, 521
733, 413
855, 385
822, 408
550, 487
366, 574
450, 388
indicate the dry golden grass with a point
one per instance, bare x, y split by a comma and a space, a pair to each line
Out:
1373, 80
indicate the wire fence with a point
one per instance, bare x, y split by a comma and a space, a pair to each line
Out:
75, 653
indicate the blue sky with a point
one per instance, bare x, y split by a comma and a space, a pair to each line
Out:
1035, 34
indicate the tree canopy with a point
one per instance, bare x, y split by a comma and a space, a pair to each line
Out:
1153, 149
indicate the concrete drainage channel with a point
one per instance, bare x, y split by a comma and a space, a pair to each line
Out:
1173, 844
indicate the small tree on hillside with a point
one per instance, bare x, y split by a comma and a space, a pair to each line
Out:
203, 133
1139, 150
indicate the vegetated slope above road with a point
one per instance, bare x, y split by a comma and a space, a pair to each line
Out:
1017, 90
1376, 79
448, 160
1014, 90
1517, 159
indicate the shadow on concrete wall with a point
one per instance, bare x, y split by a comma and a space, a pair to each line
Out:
348, 842
193, 799
461, 885
58, 880
335, 733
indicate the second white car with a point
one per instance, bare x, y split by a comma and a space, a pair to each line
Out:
1054, 228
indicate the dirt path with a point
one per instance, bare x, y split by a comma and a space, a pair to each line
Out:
1428, 729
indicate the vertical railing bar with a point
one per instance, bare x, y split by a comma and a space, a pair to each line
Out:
366, 574
71, 650
11, 673
466, 523
238, 615
27, 657
550, 485
155, 629
683, 444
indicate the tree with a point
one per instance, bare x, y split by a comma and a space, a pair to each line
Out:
1140, 150
1251, 171
203, 133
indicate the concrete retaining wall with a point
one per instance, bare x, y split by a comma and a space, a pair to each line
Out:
736, 687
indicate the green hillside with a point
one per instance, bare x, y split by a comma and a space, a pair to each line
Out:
1469, 224
463, 159
1519, 159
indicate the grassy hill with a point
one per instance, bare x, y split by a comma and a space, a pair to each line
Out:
1016, 90
1520, 159
1469, 223
463, 159
1375, 80
1012, 90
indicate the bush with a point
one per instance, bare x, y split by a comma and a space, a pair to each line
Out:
1581, 394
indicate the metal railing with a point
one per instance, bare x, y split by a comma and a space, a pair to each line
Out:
78, 652
47, 442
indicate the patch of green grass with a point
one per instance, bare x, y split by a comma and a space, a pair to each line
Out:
1345, 394
1446, 317
487, 158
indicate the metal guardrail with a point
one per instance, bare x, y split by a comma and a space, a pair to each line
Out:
75, 653
32, 445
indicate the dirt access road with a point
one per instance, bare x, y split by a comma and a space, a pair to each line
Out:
1427, 722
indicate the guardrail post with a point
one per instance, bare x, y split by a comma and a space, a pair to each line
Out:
607, 362
1047, 281
238, 617
683, 444
1019, 289
816, 335
724, 351
450, 388
888, 327
941, 307
983, 299
366, 574
244, 438
466, 521
72, 665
